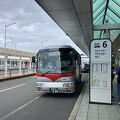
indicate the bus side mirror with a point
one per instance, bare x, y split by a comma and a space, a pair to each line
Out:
33, 59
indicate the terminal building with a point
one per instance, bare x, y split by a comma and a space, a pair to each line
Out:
15, 59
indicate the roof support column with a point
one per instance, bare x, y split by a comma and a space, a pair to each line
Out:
6, 58
117, 61
0, 64
10, 64
30, 64
107, 31
20, 65
106, 34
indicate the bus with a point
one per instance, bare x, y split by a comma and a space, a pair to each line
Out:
58, 69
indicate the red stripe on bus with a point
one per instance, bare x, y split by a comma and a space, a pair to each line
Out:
54, 77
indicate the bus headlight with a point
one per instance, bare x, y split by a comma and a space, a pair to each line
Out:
66, 79
68, 84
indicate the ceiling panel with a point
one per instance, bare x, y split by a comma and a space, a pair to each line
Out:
63, 14
52, 5
82, 5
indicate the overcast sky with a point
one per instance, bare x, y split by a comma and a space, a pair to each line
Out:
33, 26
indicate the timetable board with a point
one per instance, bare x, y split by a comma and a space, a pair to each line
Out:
100, 71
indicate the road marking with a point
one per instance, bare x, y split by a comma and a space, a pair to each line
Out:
12, 88
18, 109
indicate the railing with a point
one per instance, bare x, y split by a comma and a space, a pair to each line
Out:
11, 73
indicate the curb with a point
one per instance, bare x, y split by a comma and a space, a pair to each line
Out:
5, 79
77, 104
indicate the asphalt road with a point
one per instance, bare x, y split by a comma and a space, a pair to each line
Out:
20, 101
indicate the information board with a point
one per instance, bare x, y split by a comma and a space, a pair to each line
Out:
100, 71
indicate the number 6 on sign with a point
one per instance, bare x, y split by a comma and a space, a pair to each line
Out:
105, 44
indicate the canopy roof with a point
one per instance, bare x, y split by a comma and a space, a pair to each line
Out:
74, 17
106, 11
78, 18
11, 52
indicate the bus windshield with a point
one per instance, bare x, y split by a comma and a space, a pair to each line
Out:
55, 62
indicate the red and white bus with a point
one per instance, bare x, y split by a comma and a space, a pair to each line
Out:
58, 69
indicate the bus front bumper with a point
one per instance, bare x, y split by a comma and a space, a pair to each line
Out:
56, 87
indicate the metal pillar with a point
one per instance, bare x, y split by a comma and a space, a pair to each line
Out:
10, 64
117, 61
6, 58
30, 64
1, 64
20, 65
106, 34
5, 36
5, 31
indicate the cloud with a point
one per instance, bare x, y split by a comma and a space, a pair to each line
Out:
32, 26
29, 28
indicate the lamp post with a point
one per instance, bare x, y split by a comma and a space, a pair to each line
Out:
5, 30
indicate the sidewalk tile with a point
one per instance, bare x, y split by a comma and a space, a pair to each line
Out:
98, 111
104, 118
104, 115
92, 118
81, 117
93, 115
82, 113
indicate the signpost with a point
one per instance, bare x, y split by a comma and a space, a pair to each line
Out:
100, 71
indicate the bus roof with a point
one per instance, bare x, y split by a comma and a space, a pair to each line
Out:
56, 47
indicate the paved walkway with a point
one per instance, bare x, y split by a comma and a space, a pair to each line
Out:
88, 111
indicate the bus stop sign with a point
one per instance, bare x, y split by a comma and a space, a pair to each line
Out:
100, 71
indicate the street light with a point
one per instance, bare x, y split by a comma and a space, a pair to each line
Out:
5, 30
